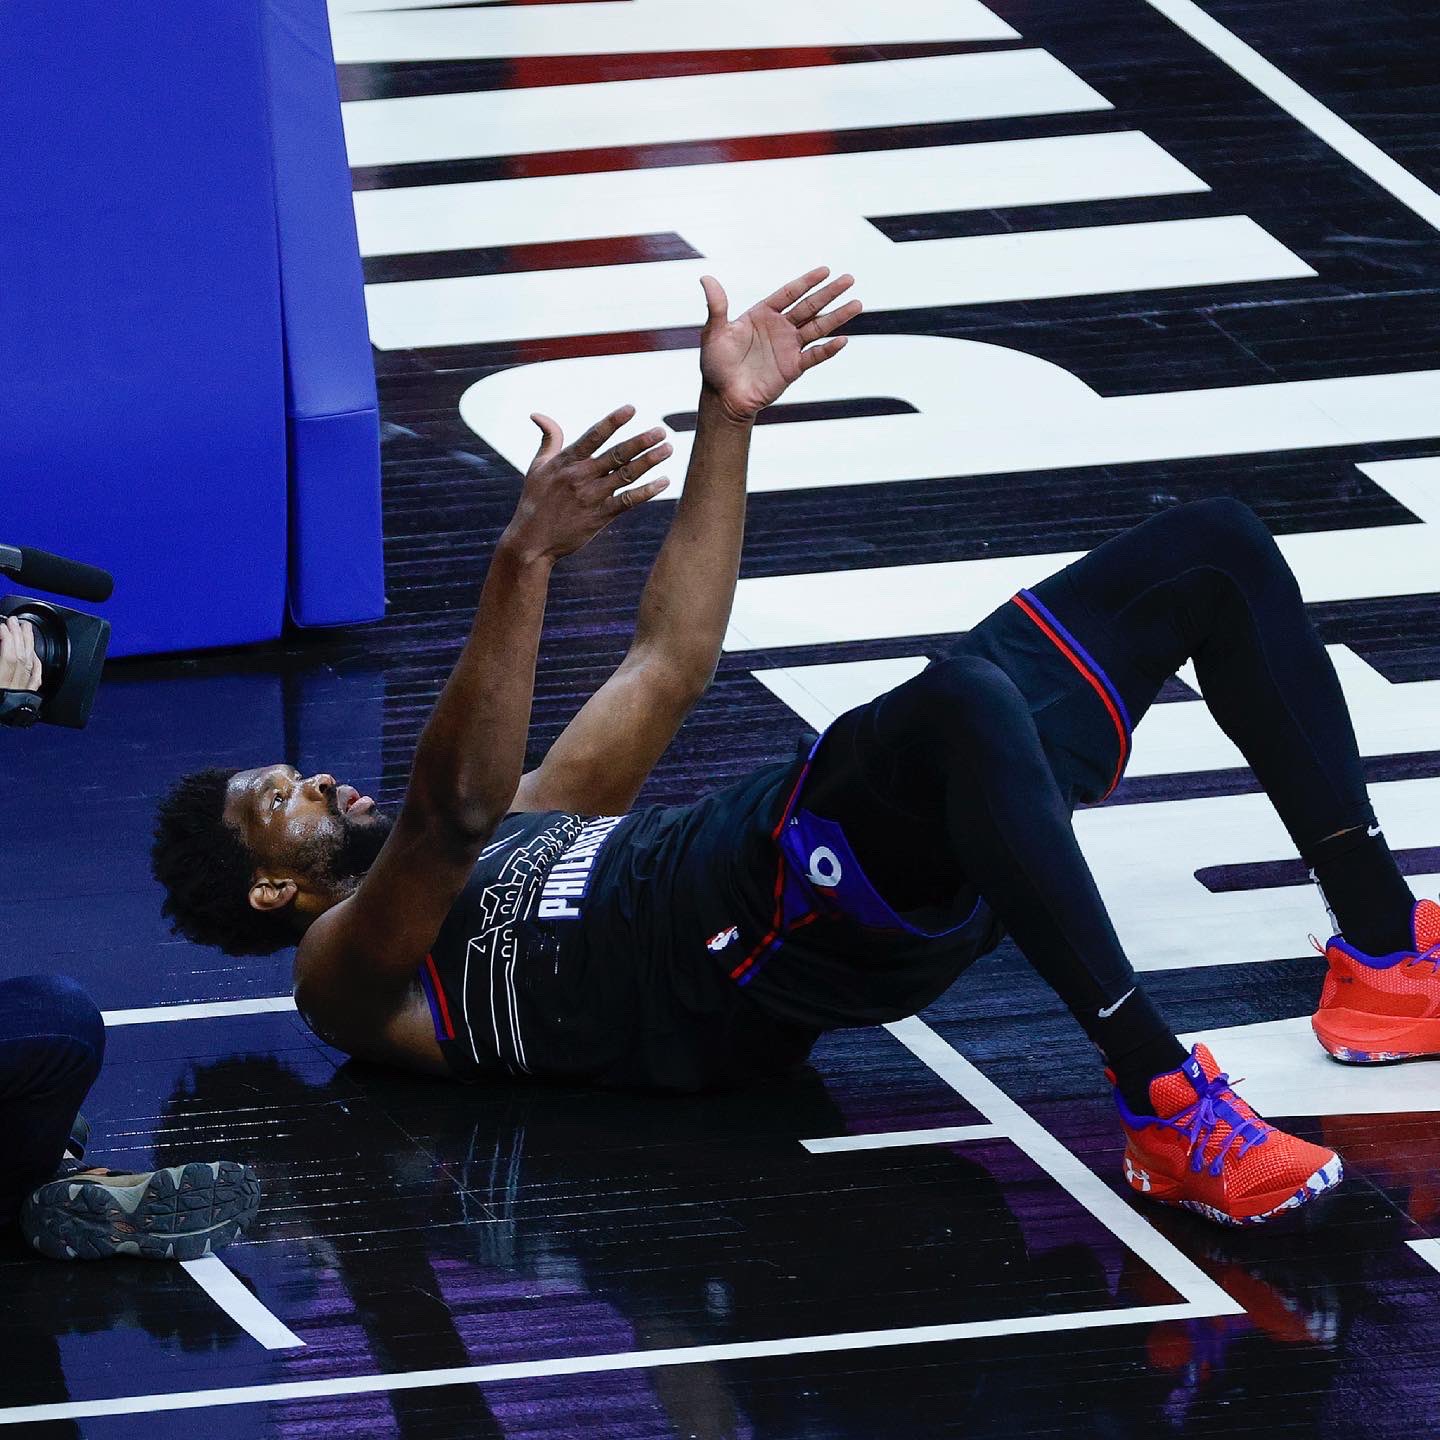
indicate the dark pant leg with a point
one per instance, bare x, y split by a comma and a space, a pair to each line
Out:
1207, 582
957, 757
52, 1041
1203, 581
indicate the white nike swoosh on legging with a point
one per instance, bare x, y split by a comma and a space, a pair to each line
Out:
1107, 1013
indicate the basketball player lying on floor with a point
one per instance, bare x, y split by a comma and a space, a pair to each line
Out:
527, 925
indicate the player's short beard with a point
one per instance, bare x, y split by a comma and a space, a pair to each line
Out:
341, 863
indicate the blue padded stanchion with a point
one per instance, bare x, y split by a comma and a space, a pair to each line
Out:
336, 570
141, 366
181, 279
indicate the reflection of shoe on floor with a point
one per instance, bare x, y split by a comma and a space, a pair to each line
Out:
1377, 1009
177, 1214
1283, 1302
1205, 1149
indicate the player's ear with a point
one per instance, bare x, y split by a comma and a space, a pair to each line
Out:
268, 894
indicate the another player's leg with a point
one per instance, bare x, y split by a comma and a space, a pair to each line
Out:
1207, 581
955, 761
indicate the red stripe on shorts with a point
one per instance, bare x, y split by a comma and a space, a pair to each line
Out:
1093, 682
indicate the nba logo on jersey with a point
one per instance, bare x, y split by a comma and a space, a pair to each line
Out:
726, 937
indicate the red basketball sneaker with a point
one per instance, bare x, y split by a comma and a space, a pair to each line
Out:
1207, 1150
1376, 1009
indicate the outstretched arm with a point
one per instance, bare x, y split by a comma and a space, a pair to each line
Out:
470, 753
599, 763
359, 958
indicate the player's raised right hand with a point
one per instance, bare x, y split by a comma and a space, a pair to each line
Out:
572, 493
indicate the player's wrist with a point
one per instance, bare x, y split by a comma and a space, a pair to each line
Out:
715, 409
524, 547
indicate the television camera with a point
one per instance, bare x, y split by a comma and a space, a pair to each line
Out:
69, 644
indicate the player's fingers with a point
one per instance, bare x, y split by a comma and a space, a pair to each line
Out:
830, 322
629, 499
818, 354
805, 310
787, 295
717, 303
632, 470
617, 455
602, 430
552, 438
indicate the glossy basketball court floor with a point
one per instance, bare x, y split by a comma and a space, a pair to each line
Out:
1113, 259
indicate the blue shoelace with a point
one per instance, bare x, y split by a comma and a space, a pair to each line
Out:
1209, 1109
1430, 957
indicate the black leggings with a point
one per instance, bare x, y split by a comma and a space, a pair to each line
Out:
985, 754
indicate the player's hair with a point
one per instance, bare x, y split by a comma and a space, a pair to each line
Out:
206, 870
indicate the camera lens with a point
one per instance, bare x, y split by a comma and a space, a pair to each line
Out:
52, 644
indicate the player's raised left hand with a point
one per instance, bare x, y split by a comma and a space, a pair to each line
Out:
749, 362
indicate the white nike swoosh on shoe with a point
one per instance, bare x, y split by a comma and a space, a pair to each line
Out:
1110, 1010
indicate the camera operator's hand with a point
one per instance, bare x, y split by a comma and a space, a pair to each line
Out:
19, 664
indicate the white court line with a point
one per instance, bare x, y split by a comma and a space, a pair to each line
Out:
600, 1364
896, 1139
996, 84
1321, 121
1082, 1184
956, 270
820, 694
411, 32
223, 1286
1203, 1298
205, 1010
1427, 1250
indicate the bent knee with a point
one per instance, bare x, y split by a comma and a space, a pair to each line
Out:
1225, 537
1226, 531
59, 1007
974, 699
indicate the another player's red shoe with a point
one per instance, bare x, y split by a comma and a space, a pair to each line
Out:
1376, 1009
1207, 1150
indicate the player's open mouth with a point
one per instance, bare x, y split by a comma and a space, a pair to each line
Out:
352, 802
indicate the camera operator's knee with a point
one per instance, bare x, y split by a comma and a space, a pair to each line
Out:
58, 1009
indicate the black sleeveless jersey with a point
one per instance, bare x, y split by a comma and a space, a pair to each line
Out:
561, 958
643, 950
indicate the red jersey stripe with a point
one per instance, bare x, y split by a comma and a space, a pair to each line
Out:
440, 996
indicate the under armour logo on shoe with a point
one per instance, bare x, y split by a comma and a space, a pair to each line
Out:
1139, 1178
